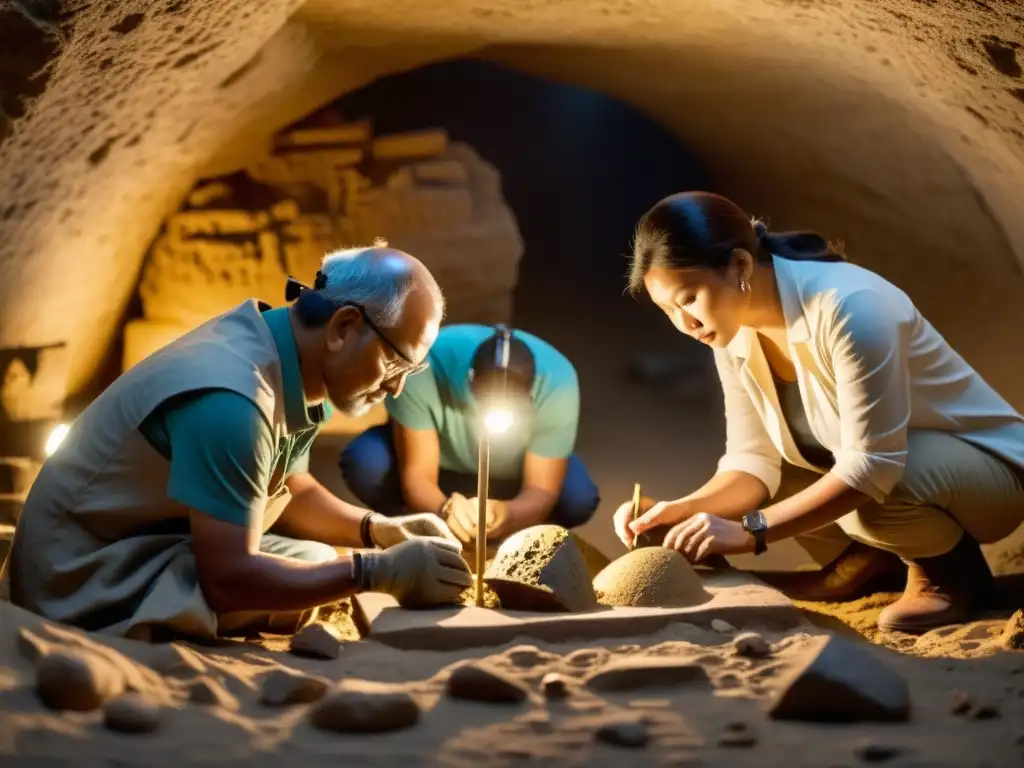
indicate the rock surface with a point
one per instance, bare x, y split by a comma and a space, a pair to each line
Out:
359, 707
836, 681
1013, 634
77, 680
281, 687
477, 681
546, 557
131, 713
320, 641
751, 645
650, 577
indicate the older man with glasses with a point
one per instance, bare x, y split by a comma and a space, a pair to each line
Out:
181, 501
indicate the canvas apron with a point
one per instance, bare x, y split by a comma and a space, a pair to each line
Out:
99, 544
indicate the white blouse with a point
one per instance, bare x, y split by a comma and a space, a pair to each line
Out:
870, 368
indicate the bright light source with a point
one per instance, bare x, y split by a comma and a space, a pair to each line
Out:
57, 435
498, 420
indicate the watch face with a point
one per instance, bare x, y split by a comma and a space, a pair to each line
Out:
755, 522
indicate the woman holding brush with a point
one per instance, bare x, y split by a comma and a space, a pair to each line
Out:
838, 392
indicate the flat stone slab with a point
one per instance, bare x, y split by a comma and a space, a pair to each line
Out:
738, 598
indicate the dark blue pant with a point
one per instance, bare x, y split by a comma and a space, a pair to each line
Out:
370, 469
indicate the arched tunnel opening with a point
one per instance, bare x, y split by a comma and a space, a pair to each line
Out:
150, 160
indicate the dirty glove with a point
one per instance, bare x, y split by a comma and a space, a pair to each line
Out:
417, 573
462, 516
385, 532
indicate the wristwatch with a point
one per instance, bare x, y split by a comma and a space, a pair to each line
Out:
756, 525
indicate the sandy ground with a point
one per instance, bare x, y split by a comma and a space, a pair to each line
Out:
686, 724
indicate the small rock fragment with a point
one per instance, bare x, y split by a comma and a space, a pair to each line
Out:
130, 713
281, 687
1013, 634
209, 692
645, 672
962, 703
984, 712
358, 707
737, 738
722, 626
837, 681
77, 680
627, 732
555, 686
320, 641
481, 682
751, 645
526, 656
876, 753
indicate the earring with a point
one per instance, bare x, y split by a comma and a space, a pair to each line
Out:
744, 286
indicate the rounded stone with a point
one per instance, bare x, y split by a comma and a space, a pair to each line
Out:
78, 681
652, 577
131, 713
548, 562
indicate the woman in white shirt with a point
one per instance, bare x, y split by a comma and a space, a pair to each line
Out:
830, 370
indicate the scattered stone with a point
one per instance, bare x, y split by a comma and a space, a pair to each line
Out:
836, 681
320, 641
478, 681
209, 692
130, 713
359, 707
527, 656
1013, 634
547, 559
984, 712
962, 703
31, 646
281, 687
751, 645
555, 686
77, 680
722, 626
651, 577
627, 732
876, 753
630, 674
737, 735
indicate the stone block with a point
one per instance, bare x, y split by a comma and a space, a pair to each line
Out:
411, 144
349, 133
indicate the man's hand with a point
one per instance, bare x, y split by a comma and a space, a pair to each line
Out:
387, 532
419, 572
705, 534
652, 515
463, 515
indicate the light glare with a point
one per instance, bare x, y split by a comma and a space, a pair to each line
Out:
57, 435
498, 420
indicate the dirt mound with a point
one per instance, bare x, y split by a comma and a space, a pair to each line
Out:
652, 577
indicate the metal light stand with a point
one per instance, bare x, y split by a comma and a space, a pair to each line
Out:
483, 478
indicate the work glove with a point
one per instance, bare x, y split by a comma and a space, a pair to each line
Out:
462, 516
418, 573
386, 532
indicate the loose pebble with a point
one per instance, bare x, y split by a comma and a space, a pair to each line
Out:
629, 674
742, 738
876, 753
962, 703
751, 645
722, 626
984, 712
354, 708
482, 682
555, 686
209, 692
319, 641
130, 713
623, 733
281, 687
77, 680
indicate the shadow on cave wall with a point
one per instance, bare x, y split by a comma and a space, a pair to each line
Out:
578, 170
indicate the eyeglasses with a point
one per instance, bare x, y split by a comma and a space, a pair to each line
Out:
294, 288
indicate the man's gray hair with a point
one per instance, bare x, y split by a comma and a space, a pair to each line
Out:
378, 278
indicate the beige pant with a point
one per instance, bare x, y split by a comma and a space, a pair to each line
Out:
948, 486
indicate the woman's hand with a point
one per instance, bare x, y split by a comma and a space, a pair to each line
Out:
652, 515
705, 534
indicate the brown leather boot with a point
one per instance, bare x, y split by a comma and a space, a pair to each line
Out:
860, 570
940, 590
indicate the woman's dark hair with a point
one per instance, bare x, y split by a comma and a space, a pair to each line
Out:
701, 230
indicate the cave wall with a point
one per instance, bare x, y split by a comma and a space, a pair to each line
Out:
894, 125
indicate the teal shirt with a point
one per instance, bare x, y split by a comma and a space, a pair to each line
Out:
439, 399
222, 450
